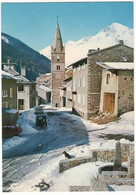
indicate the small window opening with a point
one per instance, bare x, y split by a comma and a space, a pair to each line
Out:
108, 79
58, 67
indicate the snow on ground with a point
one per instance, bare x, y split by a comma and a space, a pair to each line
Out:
12, 142
27, 122
47, 163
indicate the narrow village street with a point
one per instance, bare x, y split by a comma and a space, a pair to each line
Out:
62, 131
36, 154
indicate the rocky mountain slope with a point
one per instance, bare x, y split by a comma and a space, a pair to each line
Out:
23, 55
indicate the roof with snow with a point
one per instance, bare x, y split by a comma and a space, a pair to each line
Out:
116, 65
47, 89
81, 61
23, 80
117, 45
68, 75
93, 52
6, 75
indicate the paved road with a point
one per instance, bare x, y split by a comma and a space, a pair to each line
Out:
62, 131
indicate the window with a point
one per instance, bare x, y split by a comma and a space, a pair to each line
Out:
4, 104
83, 99
11, 92
108, 79
74, 82
20, 87
21, 102
83, 66
79, 98
58, 67
83, 81
4, 93
79, 68
79, 82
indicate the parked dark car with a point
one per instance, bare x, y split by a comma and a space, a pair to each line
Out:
41, 120
11, 130
38, 110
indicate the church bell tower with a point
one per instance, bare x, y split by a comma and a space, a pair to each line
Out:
57, 67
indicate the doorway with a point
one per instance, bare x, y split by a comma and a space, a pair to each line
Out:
109, 103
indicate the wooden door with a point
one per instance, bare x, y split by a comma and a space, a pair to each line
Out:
109, 102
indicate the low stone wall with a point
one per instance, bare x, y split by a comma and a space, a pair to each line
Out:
127, 154
69, 163
109, 155
131, 161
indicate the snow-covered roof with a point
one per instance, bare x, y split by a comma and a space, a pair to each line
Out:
117, 65
22, 79
11, 111
7, 75
14, 72
47, 89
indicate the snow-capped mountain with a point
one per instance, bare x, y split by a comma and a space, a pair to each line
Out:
75, 50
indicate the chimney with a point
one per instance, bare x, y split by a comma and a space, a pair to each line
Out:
121, 42
23, 71
92, 51
8, 60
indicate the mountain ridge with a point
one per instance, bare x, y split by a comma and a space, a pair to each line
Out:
24, 55
109, 36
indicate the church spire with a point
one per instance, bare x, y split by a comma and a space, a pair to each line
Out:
58, 45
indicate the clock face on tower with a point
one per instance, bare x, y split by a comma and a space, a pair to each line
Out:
58, 58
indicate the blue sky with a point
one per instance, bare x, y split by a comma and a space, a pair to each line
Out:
35, 23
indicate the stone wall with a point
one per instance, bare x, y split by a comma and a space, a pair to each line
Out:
125, 91
104, 155
127, 154
69, 163
131, 161
109, 155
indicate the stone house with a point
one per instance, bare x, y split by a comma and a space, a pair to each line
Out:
66, 91
86, 100
117, 87
9, 91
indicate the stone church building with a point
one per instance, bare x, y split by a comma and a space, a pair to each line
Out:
57, 68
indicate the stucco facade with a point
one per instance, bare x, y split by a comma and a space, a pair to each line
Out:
26, 95
80, 88
9, 91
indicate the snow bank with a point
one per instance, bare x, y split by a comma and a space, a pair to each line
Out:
12, 142
127, 117
27, 122
71, 177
